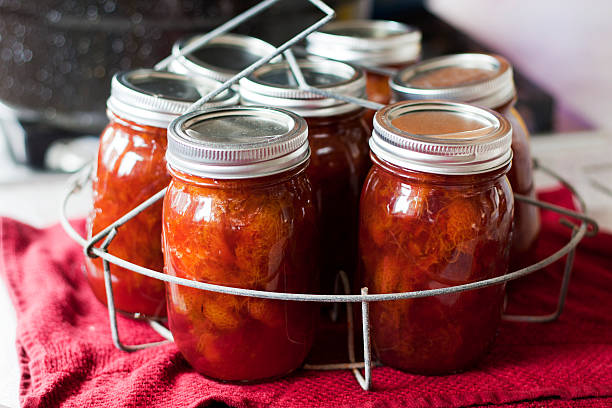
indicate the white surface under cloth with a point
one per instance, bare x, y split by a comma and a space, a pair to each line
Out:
584, 159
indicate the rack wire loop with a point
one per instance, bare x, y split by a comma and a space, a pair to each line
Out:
588, 226
567, 273
334, 298
366, 380
329, 15
112, 313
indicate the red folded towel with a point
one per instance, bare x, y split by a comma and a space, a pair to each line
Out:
67, 356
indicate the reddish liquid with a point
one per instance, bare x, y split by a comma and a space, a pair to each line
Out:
131, 168
255, 234
420, 231
377, 88
338, 166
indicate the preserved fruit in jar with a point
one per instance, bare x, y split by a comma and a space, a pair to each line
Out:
131, 168
436, 211
338, 139
239, 213
369, 43
484, 80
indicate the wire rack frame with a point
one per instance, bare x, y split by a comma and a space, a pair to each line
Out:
586, 226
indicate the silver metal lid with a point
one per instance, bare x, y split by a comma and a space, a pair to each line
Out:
274, 85
222, 57
237, 142
367, 42
479, 79
154, 98
442, 137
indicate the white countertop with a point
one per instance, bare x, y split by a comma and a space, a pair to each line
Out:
584, 159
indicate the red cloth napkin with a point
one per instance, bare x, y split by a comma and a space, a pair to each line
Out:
67, 357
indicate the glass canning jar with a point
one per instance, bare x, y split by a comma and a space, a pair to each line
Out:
221, 58
131, 168
484, 80
436, 211
370, 43
239, 212
338, 140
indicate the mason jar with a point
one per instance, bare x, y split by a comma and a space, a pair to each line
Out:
239, 212
436, 212
370, 43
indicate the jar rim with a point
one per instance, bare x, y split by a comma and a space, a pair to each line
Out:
155, 98
369, 42
237, 142
239, 43
441, 179
482, 147
491, 92
266, 86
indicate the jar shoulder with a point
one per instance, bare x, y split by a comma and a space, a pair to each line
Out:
420, 200
237, 202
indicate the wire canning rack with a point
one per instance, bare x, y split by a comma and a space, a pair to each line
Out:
581, 226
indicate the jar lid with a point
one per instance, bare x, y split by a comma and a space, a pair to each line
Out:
368, 42
154, 98
274, 85
237, 142
442, 137
480, 79
222, 57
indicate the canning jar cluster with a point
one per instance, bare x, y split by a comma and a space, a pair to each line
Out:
275, 188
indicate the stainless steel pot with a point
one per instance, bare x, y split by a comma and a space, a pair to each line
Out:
57, 56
